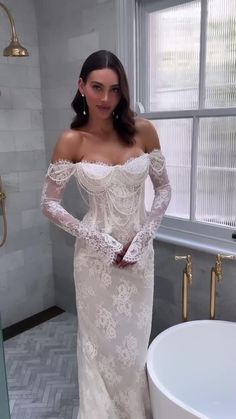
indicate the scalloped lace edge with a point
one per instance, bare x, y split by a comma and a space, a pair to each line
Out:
98, 162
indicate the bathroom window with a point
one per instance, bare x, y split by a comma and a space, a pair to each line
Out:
184, 67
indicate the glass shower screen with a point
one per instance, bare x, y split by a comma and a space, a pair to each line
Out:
4, 401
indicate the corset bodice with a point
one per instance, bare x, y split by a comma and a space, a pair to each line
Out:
116, 209
115, 195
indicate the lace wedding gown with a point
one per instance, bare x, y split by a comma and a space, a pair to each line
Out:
114, 304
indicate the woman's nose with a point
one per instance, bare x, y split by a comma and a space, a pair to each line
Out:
105, 96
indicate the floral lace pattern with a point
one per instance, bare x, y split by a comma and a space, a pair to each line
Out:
114, 305
123, 299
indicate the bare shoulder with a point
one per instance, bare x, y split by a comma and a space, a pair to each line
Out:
148, 134
67, 146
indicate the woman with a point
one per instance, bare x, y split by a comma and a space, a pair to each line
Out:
110, 153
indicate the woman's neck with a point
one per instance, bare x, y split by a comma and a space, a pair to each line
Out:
100, 127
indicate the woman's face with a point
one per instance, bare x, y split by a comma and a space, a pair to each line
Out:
102, 92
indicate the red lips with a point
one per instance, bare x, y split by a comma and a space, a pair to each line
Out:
103, 108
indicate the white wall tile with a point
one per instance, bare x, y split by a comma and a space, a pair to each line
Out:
33, 254
27, 237
31, 180
29, 140
22, 166
8, 162
22, 10
14, 223
14, 120
22, 200
58, 97
12, 261
36, 119
5, 32
58, 118
26, 98
4, 287
33, 217
5, 98
15, 75
7, 141
27, 32
81, 46
30, 160
34, 77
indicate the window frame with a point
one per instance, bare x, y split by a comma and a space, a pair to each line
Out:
191, 233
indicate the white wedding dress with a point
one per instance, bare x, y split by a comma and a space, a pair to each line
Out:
114, 304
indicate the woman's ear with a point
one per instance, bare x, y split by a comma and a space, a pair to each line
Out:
81, 86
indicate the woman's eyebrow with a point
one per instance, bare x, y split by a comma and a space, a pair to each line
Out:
100, 84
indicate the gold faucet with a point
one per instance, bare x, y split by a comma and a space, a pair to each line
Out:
216, 275
187, 279
2, 195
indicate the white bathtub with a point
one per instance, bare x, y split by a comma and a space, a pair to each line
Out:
192, 371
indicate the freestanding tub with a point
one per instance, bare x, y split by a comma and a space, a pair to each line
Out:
192, 371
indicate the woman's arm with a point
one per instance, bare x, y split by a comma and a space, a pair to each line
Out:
162, 190
59, 173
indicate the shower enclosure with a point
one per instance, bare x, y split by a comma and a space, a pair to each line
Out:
4, 401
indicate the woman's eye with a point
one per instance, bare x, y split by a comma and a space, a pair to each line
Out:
97, 87
116, 90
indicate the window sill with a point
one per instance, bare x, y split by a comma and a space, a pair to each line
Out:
196, 241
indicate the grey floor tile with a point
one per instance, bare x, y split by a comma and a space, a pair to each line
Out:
41, 369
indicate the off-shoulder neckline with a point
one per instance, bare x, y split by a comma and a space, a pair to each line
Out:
97, 162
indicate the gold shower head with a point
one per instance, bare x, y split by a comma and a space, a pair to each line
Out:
14, 49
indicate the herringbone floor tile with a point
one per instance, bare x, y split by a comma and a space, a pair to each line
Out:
42, 370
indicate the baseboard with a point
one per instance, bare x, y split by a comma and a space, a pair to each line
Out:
26, 324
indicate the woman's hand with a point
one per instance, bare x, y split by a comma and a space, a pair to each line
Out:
119, 260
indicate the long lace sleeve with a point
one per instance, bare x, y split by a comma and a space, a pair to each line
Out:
162, 190
57, 177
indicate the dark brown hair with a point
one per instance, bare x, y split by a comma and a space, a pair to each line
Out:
124, 124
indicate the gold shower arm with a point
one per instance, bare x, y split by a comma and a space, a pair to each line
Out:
13, 30
14, 49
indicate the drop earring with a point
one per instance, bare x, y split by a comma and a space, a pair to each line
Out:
84, 109
116, 116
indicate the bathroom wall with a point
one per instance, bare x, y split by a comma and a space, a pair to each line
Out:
68, 33
26, 280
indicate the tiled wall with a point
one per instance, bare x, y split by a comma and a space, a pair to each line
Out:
68, 33
26, 281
